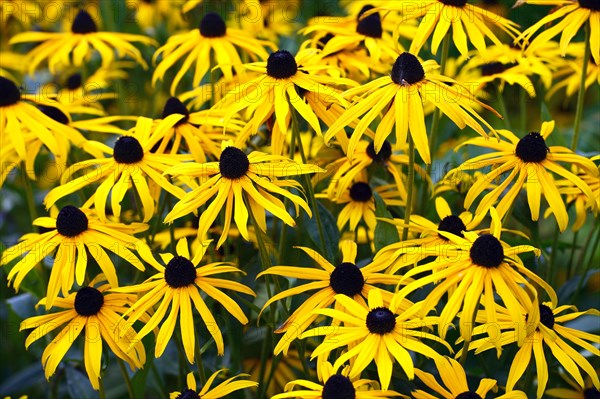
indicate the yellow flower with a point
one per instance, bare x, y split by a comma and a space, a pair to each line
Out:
220, 391
568, 74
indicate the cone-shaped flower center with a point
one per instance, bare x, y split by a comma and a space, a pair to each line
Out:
233, 163
128, 150
455, 3
347, 279
381, 321
468, 395
385, 152
407, 69
83, 23
361, 192
9, 92
174, 106
55, 114
546, 316
188, 394
180, 272
595, 6
487, 251
591, 393
532, 148
281, 65
71, 221
338, 387
212, 25
371, 25
452, 224
74, 81
493, 68
88, 301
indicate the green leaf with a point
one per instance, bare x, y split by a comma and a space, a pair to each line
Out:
78, 384
23, 305
385, 233
330, 232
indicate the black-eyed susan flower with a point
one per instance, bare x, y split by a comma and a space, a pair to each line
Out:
527, 160
472, 269
480, 73
130, 163
244, 181
95, 313
196, 46
576, 391
345, 278
456, 385
75, 234
545, 327
151, 14
176, 286
76, 47
222, 390
568, 74
400, 98
374, 332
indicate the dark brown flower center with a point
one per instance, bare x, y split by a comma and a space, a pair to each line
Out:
88, 301
546, 316
128, 150
593, 5
492, 68
338, 387
591, 393
347, 279
174, 106
381, 321
188, 394
371, 25
281, 65
487, 251
532, 148
233, 163
74, 81
71, 221
452, 224
55, 114
455, 3
361, 192
468, 395
407, 69
180, 272
9, 92
212, 25
324, 40
83, 23
385, 152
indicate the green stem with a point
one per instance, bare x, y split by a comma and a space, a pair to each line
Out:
126, 378
199, 364
29, 195
572, 256
523, 106
590, 262
553, 254
502, 108
158, 380
101, 392
581, 94
409, 189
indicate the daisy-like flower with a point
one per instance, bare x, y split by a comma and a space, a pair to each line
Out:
345, 278
242, 181
455, 379
400, 96
573, 14
75, 234
545, 327
577, 392
528, 160
220, 391
130, 163
482, 73
150, 14
196, 46
568, 75
472, 269
96, 312
76, 47
374, 332
335, 386
177, 285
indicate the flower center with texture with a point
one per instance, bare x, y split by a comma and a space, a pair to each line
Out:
74, 81
281, 65
452, 224
591, 393
71, 221
188, 394
347, 279
455, 3
546, 316
83, 23
9, 92
212, 25
233, 163
493, 68
128, 150
338, 387
88, 301
487, 251
361, 192
468, 395
532, 148
407, 69
180, 272
385, 152
55, 114
593, 5
381, 321
174, 106
371, 25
